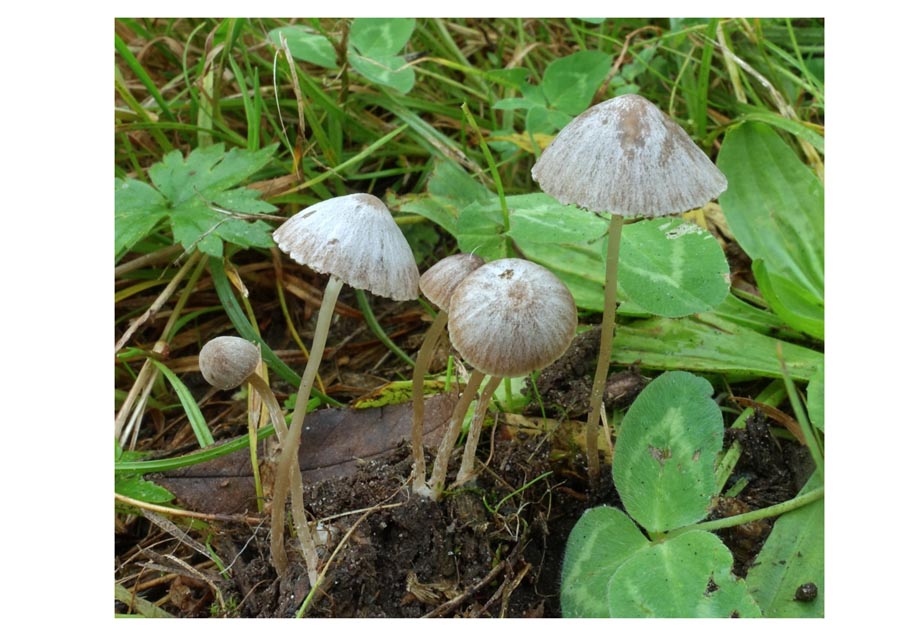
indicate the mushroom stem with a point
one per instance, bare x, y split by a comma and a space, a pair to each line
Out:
605, 354
423, 361
289, 454
442, 460
467, 466
279, 555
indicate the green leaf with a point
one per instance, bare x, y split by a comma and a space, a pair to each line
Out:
196, 195
569, 83
794, 554
543, 120
391, 71
793, 303
513, 103
601, 540
687, 576
380, 37
134, 486
708, 344
139, 209
774, 205
815, 398
539, 218
306, 45
664, 466
479, 229
191, 409
672, 268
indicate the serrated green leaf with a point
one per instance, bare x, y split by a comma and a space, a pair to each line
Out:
134, 486
672, 268
569, 83
392, 71
243, 200
380, 37
139, 209
794, 554
601, 540
664, 466
306, 45
687, 576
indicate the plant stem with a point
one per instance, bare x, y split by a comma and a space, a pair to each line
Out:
467, 465
605, 353
417, 436
757, 514
291, 448
375, 327
442, 460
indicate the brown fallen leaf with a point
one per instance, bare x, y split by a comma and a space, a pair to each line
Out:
334, 442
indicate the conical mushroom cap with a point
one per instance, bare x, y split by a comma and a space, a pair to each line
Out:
511, 317
355, 239
226, 362
439, 282
626, 156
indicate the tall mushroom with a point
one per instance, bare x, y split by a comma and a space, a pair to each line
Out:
507, 318
355, 240
626, 157
437, 284
227, 362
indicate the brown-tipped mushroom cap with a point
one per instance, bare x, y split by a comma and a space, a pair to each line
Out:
226, 362
355, 239
510, 317
627, 157
438, 283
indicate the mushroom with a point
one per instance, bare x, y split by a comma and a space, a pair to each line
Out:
355, 240
626, 157
227, 362
507, 318
437, 284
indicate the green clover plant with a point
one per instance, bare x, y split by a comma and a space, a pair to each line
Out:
657, 559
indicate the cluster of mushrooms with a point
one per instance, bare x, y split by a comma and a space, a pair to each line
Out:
505, 318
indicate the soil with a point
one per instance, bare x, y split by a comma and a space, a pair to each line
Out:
493, 549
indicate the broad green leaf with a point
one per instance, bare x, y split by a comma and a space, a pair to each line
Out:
672, 268
794, 554
815, 398
664, 466
306, 45
426, 206
479, 230
539, 218
380, 37
388, 70
796, 128
774, 205
579, 266
569, 83
687, 576
708, 344
792, 302
450, 183
601, 540
139, 209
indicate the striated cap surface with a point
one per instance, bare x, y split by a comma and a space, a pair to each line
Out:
226, 362
511, 317
626, 156
437, 284
355, 239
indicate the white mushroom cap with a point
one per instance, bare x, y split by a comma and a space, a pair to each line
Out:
437, 284
511, 317
226, 362
355, 239
626, 156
